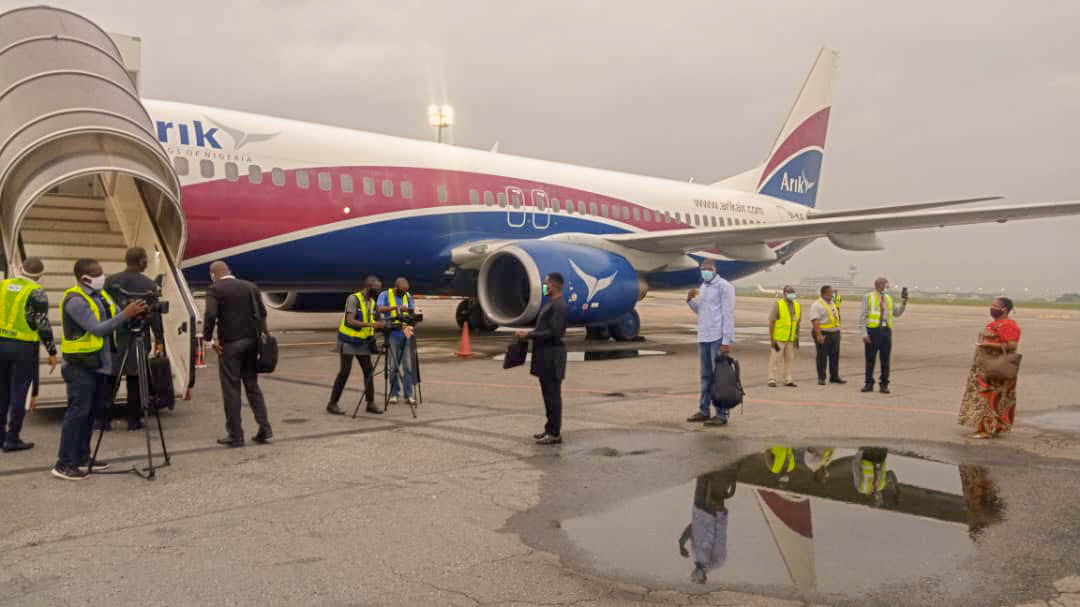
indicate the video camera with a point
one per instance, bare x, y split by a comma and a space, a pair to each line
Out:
155, 304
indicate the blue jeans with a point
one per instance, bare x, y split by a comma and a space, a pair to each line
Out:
708, 352
86, 392
401, 354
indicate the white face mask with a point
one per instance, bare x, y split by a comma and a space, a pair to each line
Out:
96, 283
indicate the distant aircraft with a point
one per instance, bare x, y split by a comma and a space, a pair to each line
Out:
307, 210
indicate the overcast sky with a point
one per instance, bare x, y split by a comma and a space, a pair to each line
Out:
932, 99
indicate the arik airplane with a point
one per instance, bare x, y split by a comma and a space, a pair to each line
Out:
307, 210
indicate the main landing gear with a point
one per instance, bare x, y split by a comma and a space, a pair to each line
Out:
469, 310
626, 328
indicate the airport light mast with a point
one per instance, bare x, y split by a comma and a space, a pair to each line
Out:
440, 117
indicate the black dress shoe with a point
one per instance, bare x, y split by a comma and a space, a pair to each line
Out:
334, 409
16, 445
838, 380
884, 389
539, 435
263, 437
231, 442
549, 440
821, 382
867, 388
697, 417
373, 408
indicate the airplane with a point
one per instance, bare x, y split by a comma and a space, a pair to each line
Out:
307, 210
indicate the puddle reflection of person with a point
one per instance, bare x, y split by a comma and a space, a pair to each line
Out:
871, 476
707, 531
817, 459
984, 505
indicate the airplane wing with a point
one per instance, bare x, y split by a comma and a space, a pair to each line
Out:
751, 242
899, 208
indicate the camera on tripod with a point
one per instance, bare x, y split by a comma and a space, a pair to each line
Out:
155, 304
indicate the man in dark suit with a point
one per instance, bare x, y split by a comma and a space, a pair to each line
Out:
132, 280
235, 308
549, 356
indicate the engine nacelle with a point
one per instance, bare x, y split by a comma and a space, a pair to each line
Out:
294, 301
600, 286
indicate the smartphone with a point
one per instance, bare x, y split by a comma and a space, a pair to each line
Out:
903, 293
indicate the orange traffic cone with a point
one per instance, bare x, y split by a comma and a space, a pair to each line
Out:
464, 348
200, 355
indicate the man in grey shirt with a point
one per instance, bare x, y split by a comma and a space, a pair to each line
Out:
357, 339
89, 318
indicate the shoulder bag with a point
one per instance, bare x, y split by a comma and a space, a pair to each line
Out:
266, 345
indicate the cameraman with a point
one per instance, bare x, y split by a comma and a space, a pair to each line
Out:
132, 280
356, 338
396, 305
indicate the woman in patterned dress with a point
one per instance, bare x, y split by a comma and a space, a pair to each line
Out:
989, 404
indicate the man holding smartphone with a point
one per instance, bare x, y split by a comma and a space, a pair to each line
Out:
876, 320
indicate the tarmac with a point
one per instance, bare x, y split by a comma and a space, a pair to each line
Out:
459, 507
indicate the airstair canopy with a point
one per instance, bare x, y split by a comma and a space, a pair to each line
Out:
69, 109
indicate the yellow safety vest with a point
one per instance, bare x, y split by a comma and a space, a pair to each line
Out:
87, 343
834, 315
13, 295
786, 329
866, 478
783, 457
367, 313
391, 300
873, 310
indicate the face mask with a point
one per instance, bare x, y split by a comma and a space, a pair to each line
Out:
996, 313
791, 296
372, 292
97, 283
544, 290
707, 275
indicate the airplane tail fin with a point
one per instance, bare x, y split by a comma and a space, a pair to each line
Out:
793, 168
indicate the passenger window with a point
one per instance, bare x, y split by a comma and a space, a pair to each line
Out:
626, 213
637, 214
254, 173
488, 198
603, 209
231, 172
206, 168
581, 207
180, 165
677, 220
474, 197
406, 190
697, 220
592, 209
667, 216
369, 186
387, 188
729, 221
324, 182
277, 176
515, 199
502, 199
346, 183
443, 197
303, 179
556, 205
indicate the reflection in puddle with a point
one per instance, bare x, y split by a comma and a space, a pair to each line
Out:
590, 355
819, 519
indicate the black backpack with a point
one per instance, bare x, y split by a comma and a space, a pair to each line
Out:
727, 390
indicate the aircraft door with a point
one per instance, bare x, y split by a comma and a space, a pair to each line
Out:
515, 210
541, 214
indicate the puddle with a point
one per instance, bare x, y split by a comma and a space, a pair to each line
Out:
1064, 419
814, 520
591, 355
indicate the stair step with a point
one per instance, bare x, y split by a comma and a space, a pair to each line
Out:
70, 202
74, 251
65, 267
39, 212
58, 236
67, 226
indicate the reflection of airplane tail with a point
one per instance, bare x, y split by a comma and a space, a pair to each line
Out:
791, 525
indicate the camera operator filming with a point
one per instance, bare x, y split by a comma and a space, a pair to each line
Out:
124, 287
396, 305
356, 338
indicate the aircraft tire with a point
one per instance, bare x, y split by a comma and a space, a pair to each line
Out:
479, 321
461, 315
597, 333
626, 328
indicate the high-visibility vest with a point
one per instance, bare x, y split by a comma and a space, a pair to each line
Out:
366, 313
866, 484
786, 328
391, 300
834, 314
13, 295
783, 459
87, 343
873, 310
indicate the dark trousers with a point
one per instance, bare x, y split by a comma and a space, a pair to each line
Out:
16, 375
86, 394
236, 365
343, 377
880, 344
828, 355
551, 388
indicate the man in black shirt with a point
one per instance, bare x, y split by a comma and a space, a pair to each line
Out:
132, 280
549, 356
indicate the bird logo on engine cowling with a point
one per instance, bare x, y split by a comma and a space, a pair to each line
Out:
592, 283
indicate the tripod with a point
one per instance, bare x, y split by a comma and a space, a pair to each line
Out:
387, 356
138, 332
